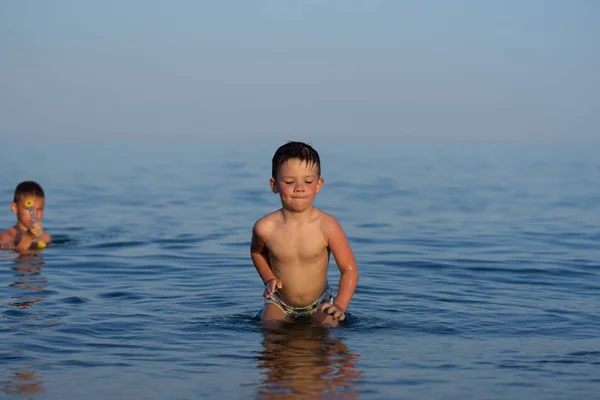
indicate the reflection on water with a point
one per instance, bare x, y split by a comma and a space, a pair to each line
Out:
305, 362
28, 276
29, 281
23, 382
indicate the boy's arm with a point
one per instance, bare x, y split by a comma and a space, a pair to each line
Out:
344, 258
260, 253
24, 242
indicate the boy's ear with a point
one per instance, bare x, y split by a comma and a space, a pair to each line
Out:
13, 207
273, 185
320, 184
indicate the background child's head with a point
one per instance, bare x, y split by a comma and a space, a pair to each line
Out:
28, 191
28, 188
292, 150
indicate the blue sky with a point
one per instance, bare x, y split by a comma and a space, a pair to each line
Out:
455, 69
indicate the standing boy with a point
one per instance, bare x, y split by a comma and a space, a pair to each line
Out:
291, 246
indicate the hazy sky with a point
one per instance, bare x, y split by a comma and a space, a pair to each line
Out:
448, 68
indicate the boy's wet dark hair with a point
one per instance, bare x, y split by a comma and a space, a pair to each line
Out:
28, 188
299, 150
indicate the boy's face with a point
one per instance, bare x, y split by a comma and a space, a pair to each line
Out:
22, 213
297, 184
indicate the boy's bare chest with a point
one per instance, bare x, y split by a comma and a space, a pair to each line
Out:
303, 244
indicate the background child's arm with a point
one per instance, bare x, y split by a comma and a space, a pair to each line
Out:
344, 258
24, 243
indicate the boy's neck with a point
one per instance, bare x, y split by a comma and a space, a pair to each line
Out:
298, 216
20, 227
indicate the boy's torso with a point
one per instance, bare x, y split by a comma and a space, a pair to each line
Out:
299, 257
10, 237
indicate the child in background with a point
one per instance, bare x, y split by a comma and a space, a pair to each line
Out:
27, 232
291, 247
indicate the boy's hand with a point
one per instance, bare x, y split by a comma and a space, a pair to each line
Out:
271, 287
335, 310
35, 229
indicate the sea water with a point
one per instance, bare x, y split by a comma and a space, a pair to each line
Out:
479, 273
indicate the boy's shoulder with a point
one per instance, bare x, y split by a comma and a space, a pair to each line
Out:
8, 236
265, 225
9, 233
268, 220
46, 237
324, 215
